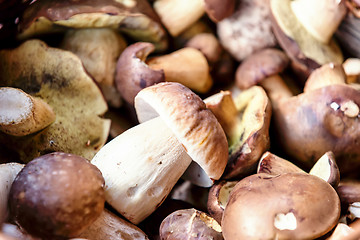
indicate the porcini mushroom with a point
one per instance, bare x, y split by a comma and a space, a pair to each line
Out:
8, 172
274, 165
247, 30
135, 18
21, 114
300, 30
282, 204
132, 73
178, 15
146, 161
59, 79
57, 195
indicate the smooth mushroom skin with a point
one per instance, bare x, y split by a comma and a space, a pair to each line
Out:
57, 195
327, 169
326, 119
347, 35
282, 204
247, 30
349, 192
300, 45
218, 10
218, 198
259, 66
110, 226
133, 74
274, 165
59, 79
190, 224
135, 18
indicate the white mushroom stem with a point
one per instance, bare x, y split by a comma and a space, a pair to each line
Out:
178, 15
21, 114
276, 89
140, 167
8, 172
321, 18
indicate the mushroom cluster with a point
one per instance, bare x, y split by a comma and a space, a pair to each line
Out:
179, 119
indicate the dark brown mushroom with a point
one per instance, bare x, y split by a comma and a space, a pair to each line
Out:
57, 195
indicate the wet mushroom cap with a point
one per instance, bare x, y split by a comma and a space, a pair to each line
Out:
259, 66
282, 204
57, 195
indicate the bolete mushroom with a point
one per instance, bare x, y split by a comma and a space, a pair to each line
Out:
8, 172
99, 50
190, 224
299, 28
132, 73
142, 165
59, 79
21, 114
282, 204
178, 15
274, 165
135, 18
57, 195
247, 30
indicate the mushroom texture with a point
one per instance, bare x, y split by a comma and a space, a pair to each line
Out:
133, 17
58, 78
57, 195
282, 204
143, 164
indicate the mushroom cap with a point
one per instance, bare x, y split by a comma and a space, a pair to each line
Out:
59, 79
135, 18
325, 119
57, 195
218, 10
193, 124
274, 199
259, 66
132, 73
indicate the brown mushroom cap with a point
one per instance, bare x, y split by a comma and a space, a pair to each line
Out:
259, 66
132, 73
135, 18
263, 206
57, 195
192, 123
325, 119
218, 10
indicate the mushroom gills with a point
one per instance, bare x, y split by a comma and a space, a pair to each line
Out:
147, 161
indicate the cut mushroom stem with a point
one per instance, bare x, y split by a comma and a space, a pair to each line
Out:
352, 70
274, 165
21, 114
327, 169
187, 66
314, 15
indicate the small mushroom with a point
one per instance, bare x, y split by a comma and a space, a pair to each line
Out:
282, 204
132, 73
110, 226
178, 15
300, 31
274, 165
327, 169
147, 160
8, 172
190, 224
99, 50
57, 195
352, 70
246, 121
187, 66
218, 198
21, 114
59, 79
134, 18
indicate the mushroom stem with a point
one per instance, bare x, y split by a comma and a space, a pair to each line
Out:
21, 114
321, 18
276, 89
141, 173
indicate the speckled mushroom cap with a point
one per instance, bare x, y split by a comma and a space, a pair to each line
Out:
192, 123
290, 206
259, 66
57, 195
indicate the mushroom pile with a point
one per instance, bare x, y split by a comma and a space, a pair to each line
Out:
179, 119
